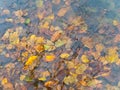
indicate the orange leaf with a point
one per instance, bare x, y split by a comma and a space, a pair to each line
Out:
50, 83
55, 36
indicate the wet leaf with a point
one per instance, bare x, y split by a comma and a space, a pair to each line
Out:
4, 81
62, 11
39, 3
42, 78
50, 83
39, 48
115, 22
56, 1
55, 36
28, 79
84, 59
60, 43
64, 55
30, 60
27, 21
70, 80
70, 64
80, 68
22, 77
50, 57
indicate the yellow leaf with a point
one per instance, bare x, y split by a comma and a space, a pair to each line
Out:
50, 58
22, 77
31, 60
4, 81
70, 64
84, 59
64, 55
42, 78
80, 68
70, 80
39, 48
40, 40
115, 22
45, 25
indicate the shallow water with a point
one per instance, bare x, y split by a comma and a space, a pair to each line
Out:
98, 16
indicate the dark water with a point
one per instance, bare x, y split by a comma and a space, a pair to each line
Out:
96, 13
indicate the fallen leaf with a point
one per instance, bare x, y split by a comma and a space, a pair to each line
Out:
4, 81
42, 78
50, 83
39, 3
84, 59
64, 55
115, 22
50, 57
30, 60
39, 48
70, 80
56, 36
62, 11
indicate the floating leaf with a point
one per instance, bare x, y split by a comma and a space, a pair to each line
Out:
64, 55
50, 57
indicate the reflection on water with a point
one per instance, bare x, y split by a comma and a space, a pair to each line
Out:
85, 32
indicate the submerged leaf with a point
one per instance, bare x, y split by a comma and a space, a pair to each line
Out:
50, 58
31, 60
64, 55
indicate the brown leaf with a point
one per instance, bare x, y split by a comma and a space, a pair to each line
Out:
55, 36
62, 11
